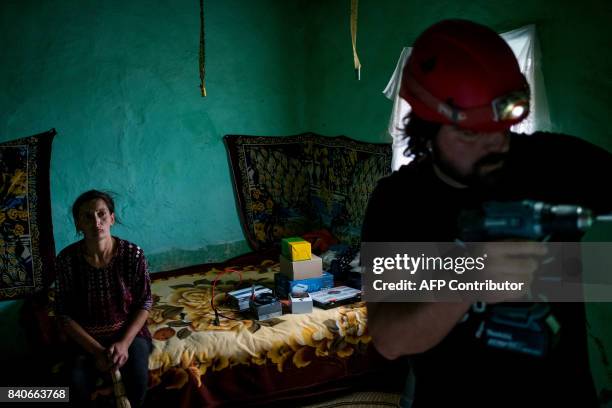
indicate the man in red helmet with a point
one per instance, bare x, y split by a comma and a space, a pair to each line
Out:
465, 89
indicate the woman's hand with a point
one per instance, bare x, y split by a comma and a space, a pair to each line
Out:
118, 354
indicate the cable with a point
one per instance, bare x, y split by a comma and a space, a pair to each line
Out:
227, 270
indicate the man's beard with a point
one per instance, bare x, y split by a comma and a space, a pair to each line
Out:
476, 178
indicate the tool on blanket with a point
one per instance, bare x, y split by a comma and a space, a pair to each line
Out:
240, 298
119, 390
265, 305
334, 297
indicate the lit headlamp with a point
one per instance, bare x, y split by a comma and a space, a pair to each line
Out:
511, 107
504, 110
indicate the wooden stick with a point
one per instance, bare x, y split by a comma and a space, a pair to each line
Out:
119, 389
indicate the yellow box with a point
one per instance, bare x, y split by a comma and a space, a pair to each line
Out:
296, 250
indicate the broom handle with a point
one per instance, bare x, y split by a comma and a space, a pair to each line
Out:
119, 389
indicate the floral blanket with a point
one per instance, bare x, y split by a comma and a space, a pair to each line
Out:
188, 342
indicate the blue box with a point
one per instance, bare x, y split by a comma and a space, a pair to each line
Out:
283, 285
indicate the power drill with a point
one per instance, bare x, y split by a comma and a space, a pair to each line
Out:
529, 328
532, 220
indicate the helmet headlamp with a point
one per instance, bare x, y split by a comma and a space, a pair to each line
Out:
505, 110
511, 107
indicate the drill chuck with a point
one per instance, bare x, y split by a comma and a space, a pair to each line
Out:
523, 219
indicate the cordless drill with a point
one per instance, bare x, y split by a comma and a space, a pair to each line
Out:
532, 220
530, 327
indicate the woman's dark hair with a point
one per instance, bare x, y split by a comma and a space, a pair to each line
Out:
419, 132
92, 195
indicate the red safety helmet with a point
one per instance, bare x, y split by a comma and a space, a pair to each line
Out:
463, 73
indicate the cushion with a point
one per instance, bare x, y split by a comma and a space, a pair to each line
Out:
26, 235
287, 186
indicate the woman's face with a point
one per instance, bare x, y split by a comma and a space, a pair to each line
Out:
95, 220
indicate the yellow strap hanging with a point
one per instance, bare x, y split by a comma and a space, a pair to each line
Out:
354, 5
202, 69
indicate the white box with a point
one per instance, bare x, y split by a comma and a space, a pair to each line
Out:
301, 304
297, 270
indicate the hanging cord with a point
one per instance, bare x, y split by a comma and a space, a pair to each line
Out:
202, 53
354, 6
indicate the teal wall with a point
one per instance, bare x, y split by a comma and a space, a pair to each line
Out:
119, 81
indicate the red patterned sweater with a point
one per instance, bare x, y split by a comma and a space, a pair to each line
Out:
102, 300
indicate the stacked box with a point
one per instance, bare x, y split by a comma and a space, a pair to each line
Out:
296, 249
297, 270
283, 284
300, 267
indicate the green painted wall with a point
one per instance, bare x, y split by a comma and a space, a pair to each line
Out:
119, 81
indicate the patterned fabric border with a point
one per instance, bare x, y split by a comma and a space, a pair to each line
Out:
26, 234
296, 184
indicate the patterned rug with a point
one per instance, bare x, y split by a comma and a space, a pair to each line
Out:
287, 186
26, 234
